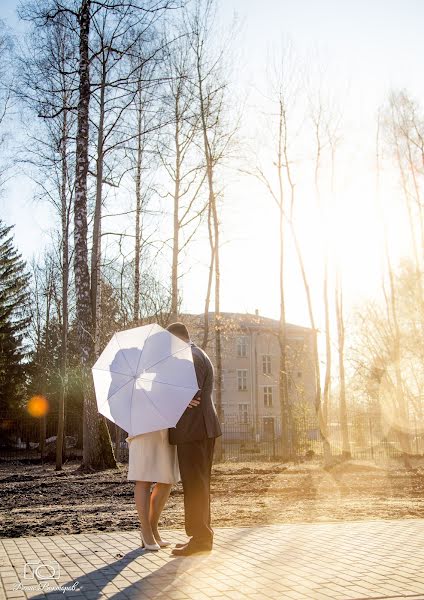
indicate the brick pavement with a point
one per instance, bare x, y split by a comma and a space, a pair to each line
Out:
321, 561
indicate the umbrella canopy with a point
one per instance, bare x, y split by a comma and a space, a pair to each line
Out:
144, 379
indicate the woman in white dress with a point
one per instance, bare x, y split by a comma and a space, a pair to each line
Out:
152, 460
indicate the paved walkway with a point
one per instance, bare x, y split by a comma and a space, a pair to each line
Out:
337, 561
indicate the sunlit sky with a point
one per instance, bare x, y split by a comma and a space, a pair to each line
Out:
365, 48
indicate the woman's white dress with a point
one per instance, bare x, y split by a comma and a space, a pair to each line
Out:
152, 458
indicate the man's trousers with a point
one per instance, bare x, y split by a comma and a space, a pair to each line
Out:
195, 460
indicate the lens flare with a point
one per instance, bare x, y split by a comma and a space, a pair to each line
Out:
38, 406
400, 400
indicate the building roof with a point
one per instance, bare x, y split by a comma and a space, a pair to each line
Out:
250, 321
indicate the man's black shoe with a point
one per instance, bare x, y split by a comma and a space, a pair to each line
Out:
189, 549
181, 545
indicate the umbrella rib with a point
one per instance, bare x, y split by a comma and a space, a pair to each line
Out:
183, 387
132, 393
142, 350
166, 357
154, 406
117, 390
131, 403
109, 371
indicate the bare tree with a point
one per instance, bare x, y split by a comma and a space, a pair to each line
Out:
97, 450
117, 60
81, 18
393, 321
155, 301
127, 77
6, 84
44, 334
139, 157
284, 89
146, 121
346, 452
325, 124
317, 114
286, 109
179, 155
47, 88
388, 361
402, 125
218, 127
404, 128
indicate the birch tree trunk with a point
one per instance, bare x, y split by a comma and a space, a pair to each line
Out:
65, 289
215, 229
327, 378
210, 279
216, 265
138, 207
96, 247
214, 224
285, 162
97, 448
46, 351
182, 159
401, 409
218, 324
283, 376
346, 451
176, 217
317, 118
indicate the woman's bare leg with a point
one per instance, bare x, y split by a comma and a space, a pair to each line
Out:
142, 503
158, 500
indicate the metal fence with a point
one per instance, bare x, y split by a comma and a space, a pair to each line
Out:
244, 441
23, 437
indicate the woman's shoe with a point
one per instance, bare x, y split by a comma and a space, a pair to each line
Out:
154, 546
163, 543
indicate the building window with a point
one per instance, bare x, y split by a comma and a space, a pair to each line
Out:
243, 413
242, 347
268, 396
242, 380
266, 364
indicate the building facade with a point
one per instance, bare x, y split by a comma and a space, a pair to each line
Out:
250, 370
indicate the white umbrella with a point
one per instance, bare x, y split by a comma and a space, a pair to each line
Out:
144, 379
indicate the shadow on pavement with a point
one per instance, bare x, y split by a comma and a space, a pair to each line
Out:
152, 585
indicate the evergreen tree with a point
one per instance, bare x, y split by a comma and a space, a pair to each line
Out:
14, 319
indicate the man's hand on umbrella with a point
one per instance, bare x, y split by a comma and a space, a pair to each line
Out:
194, 402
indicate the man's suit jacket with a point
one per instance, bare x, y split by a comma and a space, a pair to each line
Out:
200, 422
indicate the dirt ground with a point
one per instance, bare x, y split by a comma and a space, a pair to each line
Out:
37, 500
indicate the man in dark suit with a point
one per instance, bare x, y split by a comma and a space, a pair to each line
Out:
194, 436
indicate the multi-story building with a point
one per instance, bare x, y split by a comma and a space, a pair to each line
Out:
251, 366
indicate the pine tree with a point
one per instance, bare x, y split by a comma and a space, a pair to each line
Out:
14, 319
